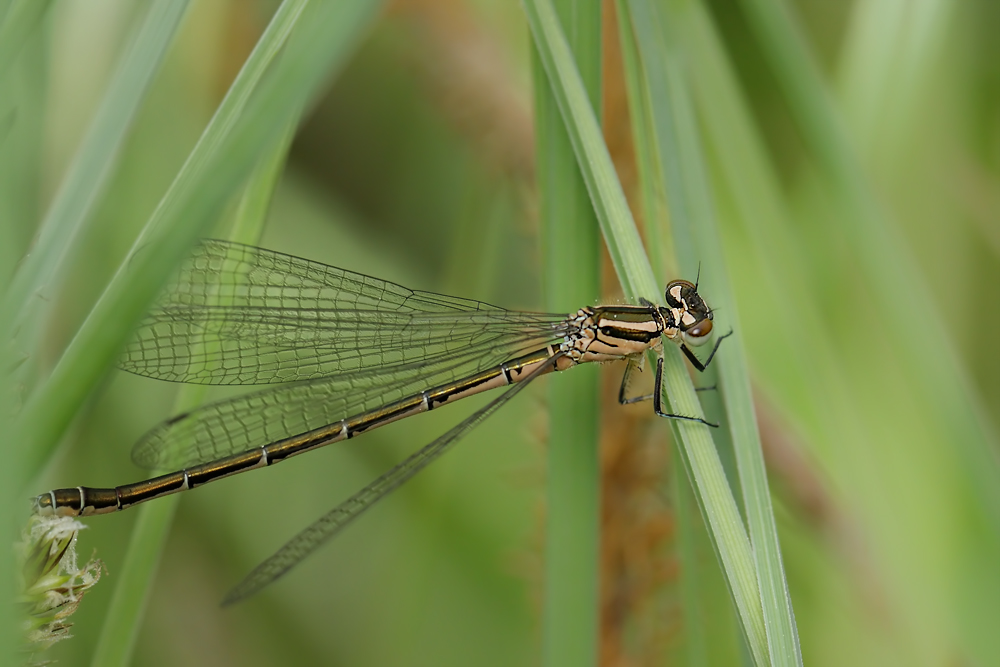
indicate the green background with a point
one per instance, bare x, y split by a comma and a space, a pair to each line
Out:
417, 165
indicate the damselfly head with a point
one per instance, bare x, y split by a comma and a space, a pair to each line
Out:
691, 314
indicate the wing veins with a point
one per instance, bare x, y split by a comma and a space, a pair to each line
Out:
258, 418
310, 539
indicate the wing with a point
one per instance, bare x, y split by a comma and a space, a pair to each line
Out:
259, 418
336, 520
237, 314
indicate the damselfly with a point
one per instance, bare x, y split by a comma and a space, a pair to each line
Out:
347, 353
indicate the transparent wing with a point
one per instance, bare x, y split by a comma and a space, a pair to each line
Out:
332, 523
237, 314
259, 418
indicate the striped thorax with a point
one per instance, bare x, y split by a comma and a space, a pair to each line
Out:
613, 333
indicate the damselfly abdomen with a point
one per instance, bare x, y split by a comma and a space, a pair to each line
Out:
346, 353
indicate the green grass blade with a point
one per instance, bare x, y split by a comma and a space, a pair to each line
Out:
933, 420
23, 78
754, 186
637, 279
693, 219
16, 28
90, 170
640, 118
571, 250
138, 571
890, 272
20, 305
890, 50
607, 198
691, 648
323, 38
695, 644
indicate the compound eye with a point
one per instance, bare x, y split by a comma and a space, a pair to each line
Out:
700, 330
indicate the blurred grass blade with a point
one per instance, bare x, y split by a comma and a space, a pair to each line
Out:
606, 196
890, 51
17, 24
84, 181
891, 273
754, 185
138, 572
88, 174
571, 251
221, 162
632, 265
24, 77
693, 222
749, 180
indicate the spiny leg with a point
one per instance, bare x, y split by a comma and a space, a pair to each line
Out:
631, 365
658, 398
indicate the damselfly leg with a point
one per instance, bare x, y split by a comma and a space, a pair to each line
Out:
656, 395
